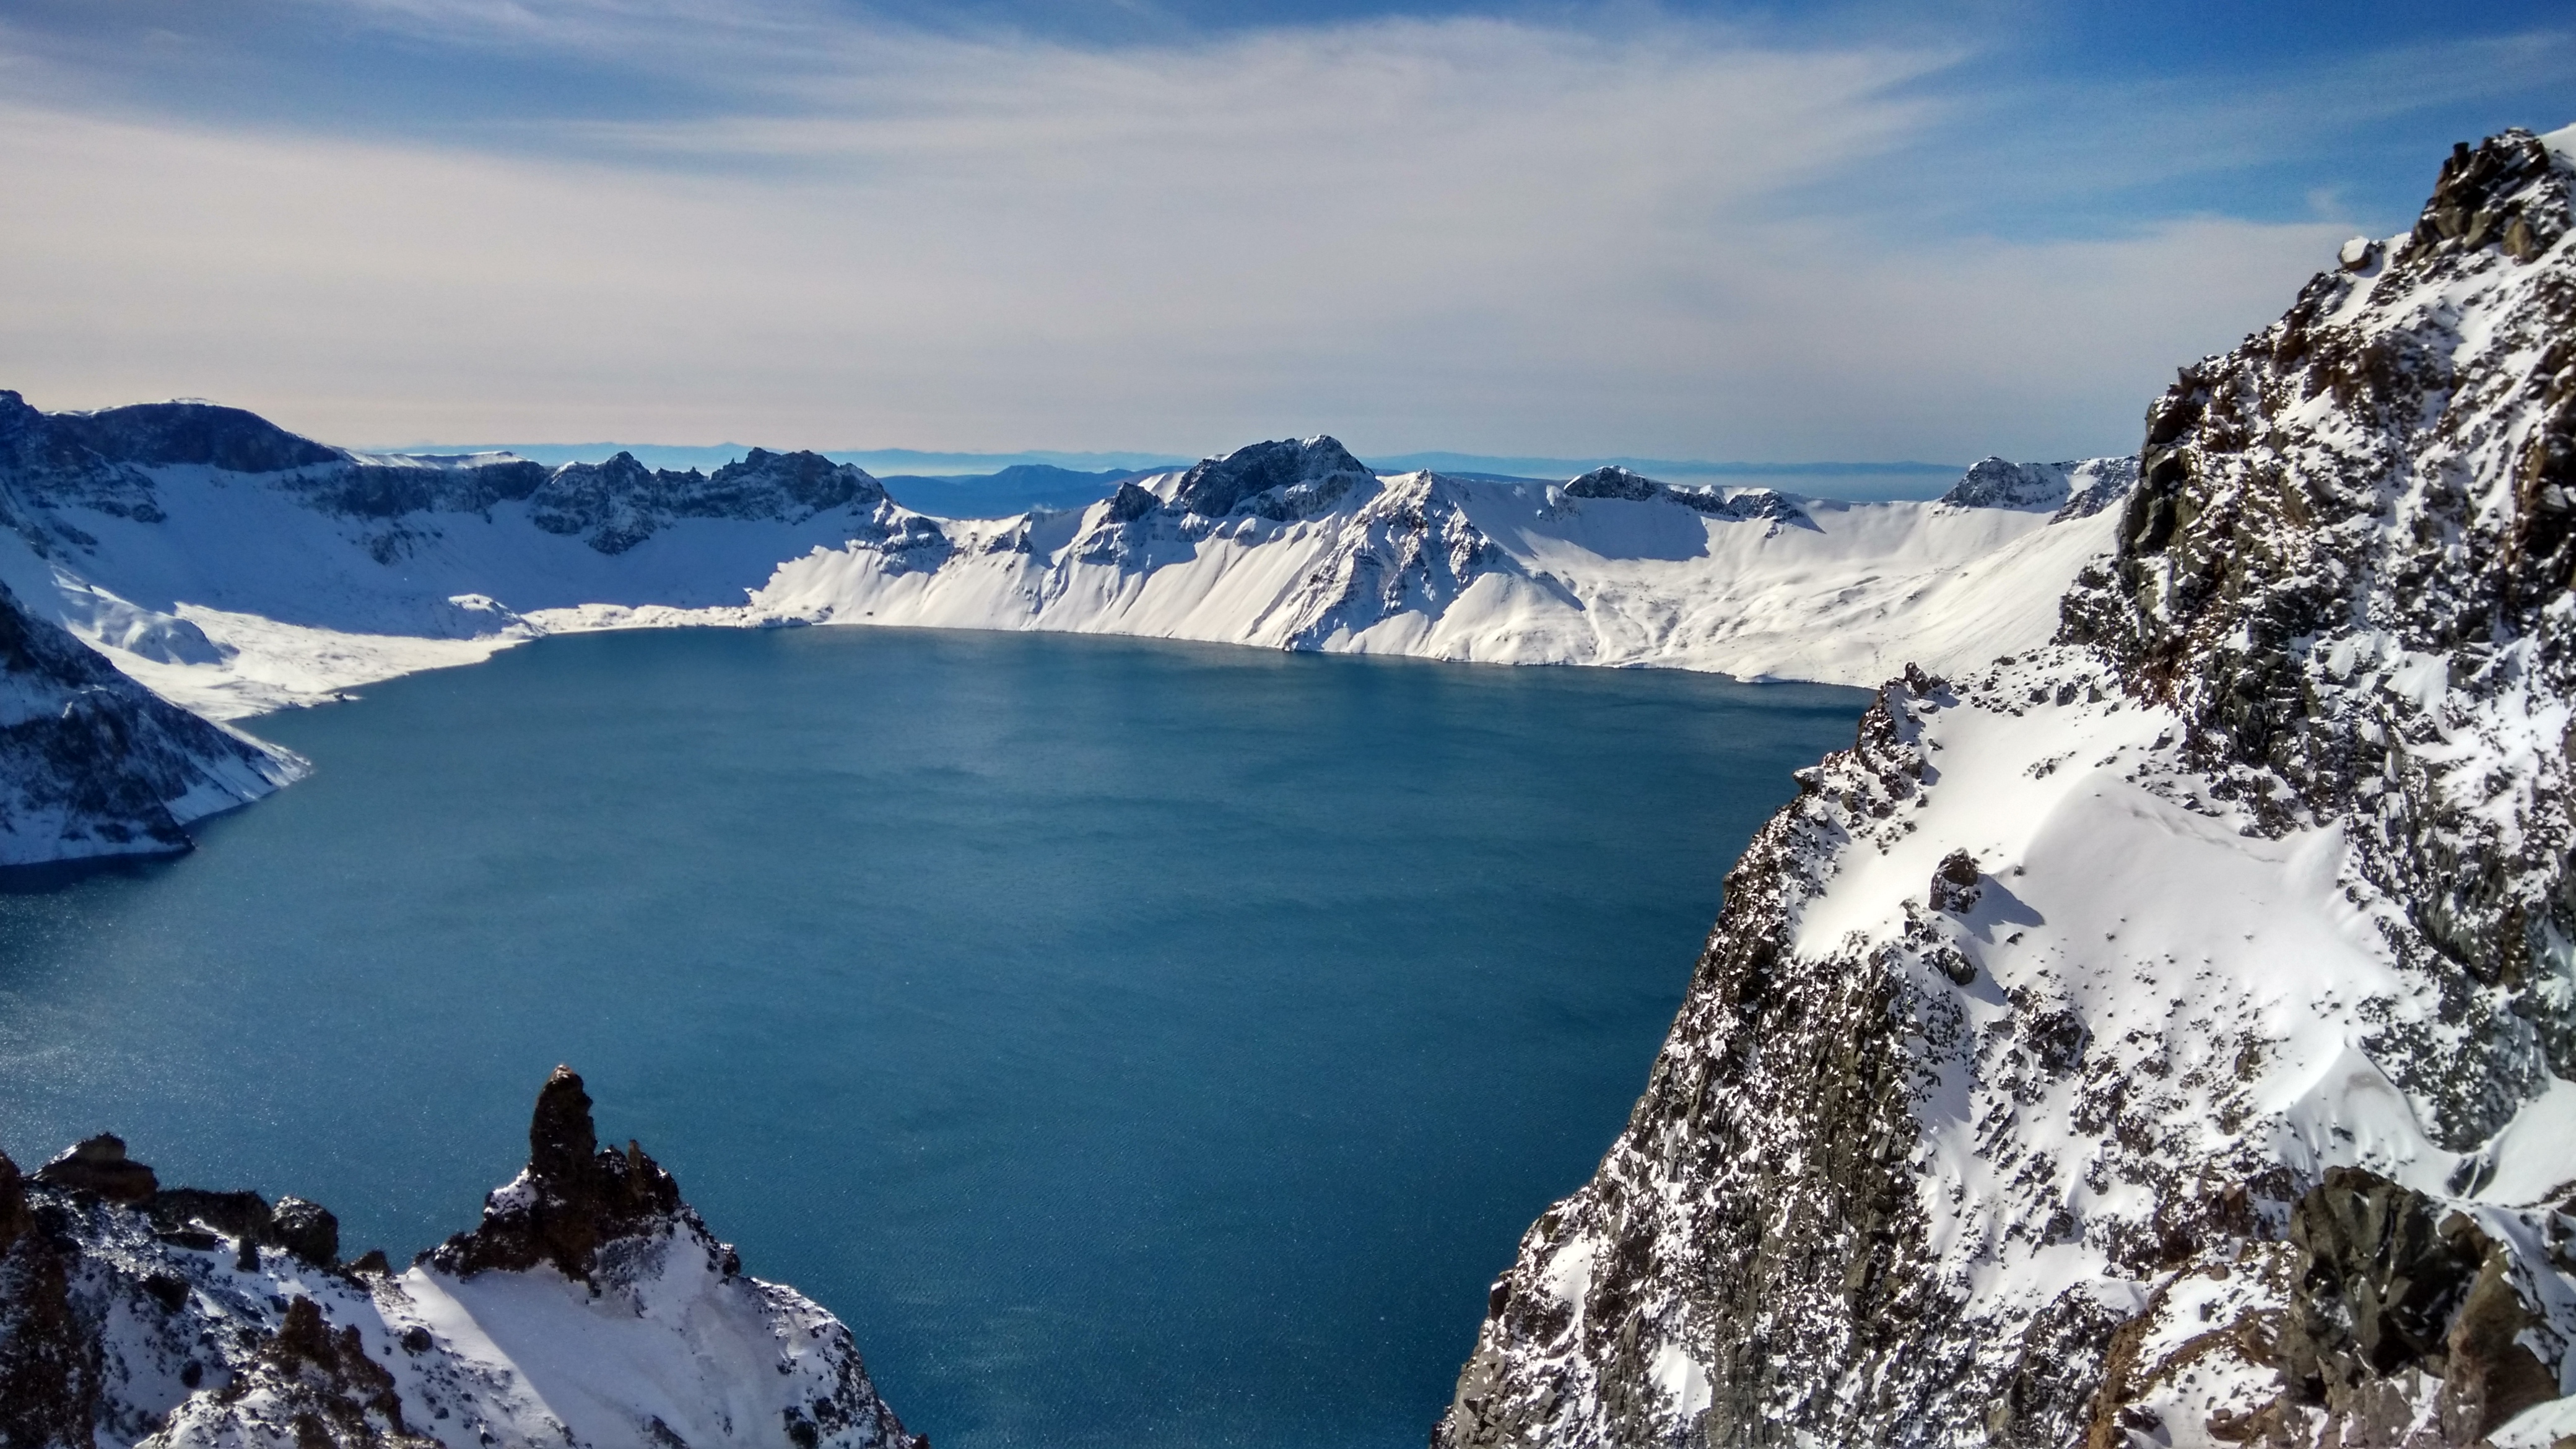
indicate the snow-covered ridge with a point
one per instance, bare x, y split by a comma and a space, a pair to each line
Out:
591, 1309
236, 567
92, 764
2166, 1035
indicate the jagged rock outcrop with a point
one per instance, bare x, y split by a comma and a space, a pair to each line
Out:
573, 1197
93, 764
2216, 1088
1279, 480
178, 1318
1741, 505
618, 504
2072, 489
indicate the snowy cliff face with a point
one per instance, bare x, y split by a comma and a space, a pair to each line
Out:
237, 568
2162, 1036
590, 1309
93, 764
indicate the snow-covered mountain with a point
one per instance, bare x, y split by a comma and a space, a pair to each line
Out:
236, 567
92, 764
590, 1309
2165, 1035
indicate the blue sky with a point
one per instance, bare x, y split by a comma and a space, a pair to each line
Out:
1849, 232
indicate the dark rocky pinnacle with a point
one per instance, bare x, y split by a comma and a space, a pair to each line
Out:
578, 1198
561, 1140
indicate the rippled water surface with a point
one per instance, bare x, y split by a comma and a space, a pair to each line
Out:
1140, 1044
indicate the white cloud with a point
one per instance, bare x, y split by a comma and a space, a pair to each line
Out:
1471, 234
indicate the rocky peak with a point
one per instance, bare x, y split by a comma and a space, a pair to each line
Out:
154, 435
2348, 565
620, 503
2509, 192
804, 480
1612, 482
1280, 479
572, 1197
1994, 483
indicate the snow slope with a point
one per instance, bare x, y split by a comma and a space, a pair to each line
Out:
2165, 1035
236, 568
592, 1309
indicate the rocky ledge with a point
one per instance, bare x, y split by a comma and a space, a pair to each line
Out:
591, 1307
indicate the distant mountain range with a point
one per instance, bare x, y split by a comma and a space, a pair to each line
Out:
237, 567
995, 485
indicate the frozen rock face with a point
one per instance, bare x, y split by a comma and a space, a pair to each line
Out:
100, 460
591, 1308
93, 764
2071, 490
1741, 505
1276, 480
2159, 1037
618, 504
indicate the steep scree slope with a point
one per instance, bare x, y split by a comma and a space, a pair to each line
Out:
590, 1309
2161, 1037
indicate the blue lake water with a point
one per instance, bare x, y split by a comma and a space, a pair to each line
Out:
1139, 1044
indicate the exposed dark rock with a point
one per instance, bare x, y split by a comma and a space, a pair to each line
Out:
306, 1229
390, 491
244, 1216
15, 1216
1282, 479
1131, 503
573, 1197
155, 435
1613, 482
99, 1165
1409, 547
309, 1386
1954, 885
49, 1360
1744, 505
1995, 483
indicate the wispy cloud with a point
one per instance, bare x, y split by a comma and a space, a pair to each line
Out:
1643, 237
